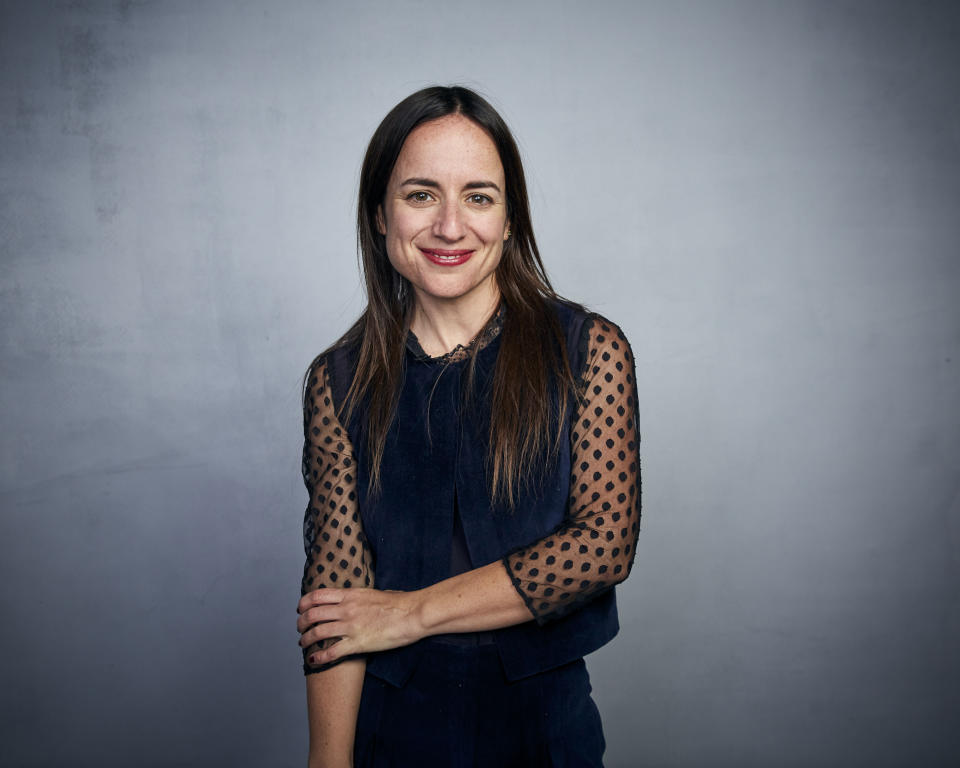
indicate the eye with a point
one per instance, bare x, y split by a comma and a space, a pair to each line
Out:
419, 197
479, 199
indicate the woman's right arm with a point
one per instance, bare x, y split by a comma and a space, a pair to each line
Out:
337, 555
333, 700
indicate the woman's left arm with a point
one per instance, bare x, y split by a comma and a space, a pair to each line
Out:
594, 548
589, 553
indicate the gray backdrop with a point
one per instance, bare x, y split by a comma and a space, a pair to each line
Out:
763, 194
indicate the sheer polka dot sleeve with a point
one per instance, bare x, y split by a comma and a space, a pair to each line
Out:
594, 548
336, 549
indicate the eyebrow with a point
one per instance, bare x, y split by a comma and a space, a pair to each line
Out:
419, 182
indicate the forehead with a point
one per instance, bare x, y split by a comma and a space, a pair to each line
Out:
449, 148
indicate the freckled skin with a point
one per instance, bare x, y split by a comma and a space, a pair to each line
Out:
451, 213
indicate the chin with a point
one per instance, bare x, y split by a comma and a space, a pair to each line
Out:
448, 294
450, 289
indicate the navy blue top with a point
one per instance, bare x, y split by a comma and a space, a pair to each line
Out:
570, 538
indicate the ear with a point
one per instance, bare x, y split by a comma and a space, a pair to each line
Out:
506, 232
381, 224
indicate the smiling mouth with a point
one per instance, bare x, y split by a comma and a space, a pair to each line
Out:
445, 257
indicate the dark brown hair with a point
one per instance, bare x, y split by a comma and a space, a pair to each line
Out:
532, 379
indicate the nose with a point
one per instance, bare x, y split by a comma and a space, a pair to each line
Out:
449, 224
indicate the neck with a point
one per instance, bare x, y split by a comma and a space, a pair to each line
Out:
442, 324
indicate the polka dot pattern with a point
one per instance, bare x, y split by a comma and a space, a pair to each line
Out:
336, 549
595, 547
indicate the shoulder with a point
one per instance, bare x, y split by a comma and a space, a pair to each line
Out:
585, 321
573, 320
331, 372
322, 428
601, 331
606, 340
593, 338
316, 386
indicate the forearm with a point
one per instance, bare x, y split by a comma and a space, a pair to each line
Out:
333, 701
370, 620
476, 601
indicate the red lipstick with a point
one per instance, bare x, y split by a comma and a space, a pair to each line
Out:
446, 258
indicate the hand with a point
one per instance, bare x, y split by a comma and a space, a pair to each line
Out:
365, 619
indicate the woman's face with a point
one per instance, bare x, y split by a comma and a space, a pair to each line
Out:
444, 215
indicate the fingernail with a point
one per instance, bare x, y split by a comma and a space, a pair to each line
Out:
312, 659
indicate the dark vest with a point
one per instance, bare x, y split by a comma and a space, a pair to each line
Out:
435, 452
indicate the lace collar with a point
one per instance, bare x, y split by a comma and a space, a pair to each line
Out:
460, 352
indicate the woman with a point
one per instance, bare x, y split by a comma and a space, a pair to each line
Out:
471, 456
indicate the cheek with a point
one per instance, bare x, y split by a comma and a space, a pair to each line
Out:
398, 259
394, 238
402, 225
491, 229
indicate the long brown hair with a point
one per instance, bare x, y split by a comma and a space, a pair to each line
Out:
532, 379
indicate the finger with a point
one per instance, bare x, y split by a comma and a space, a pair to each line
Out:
321, 632
319, 597
336, 651
323, 657
316, 654
316, 615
